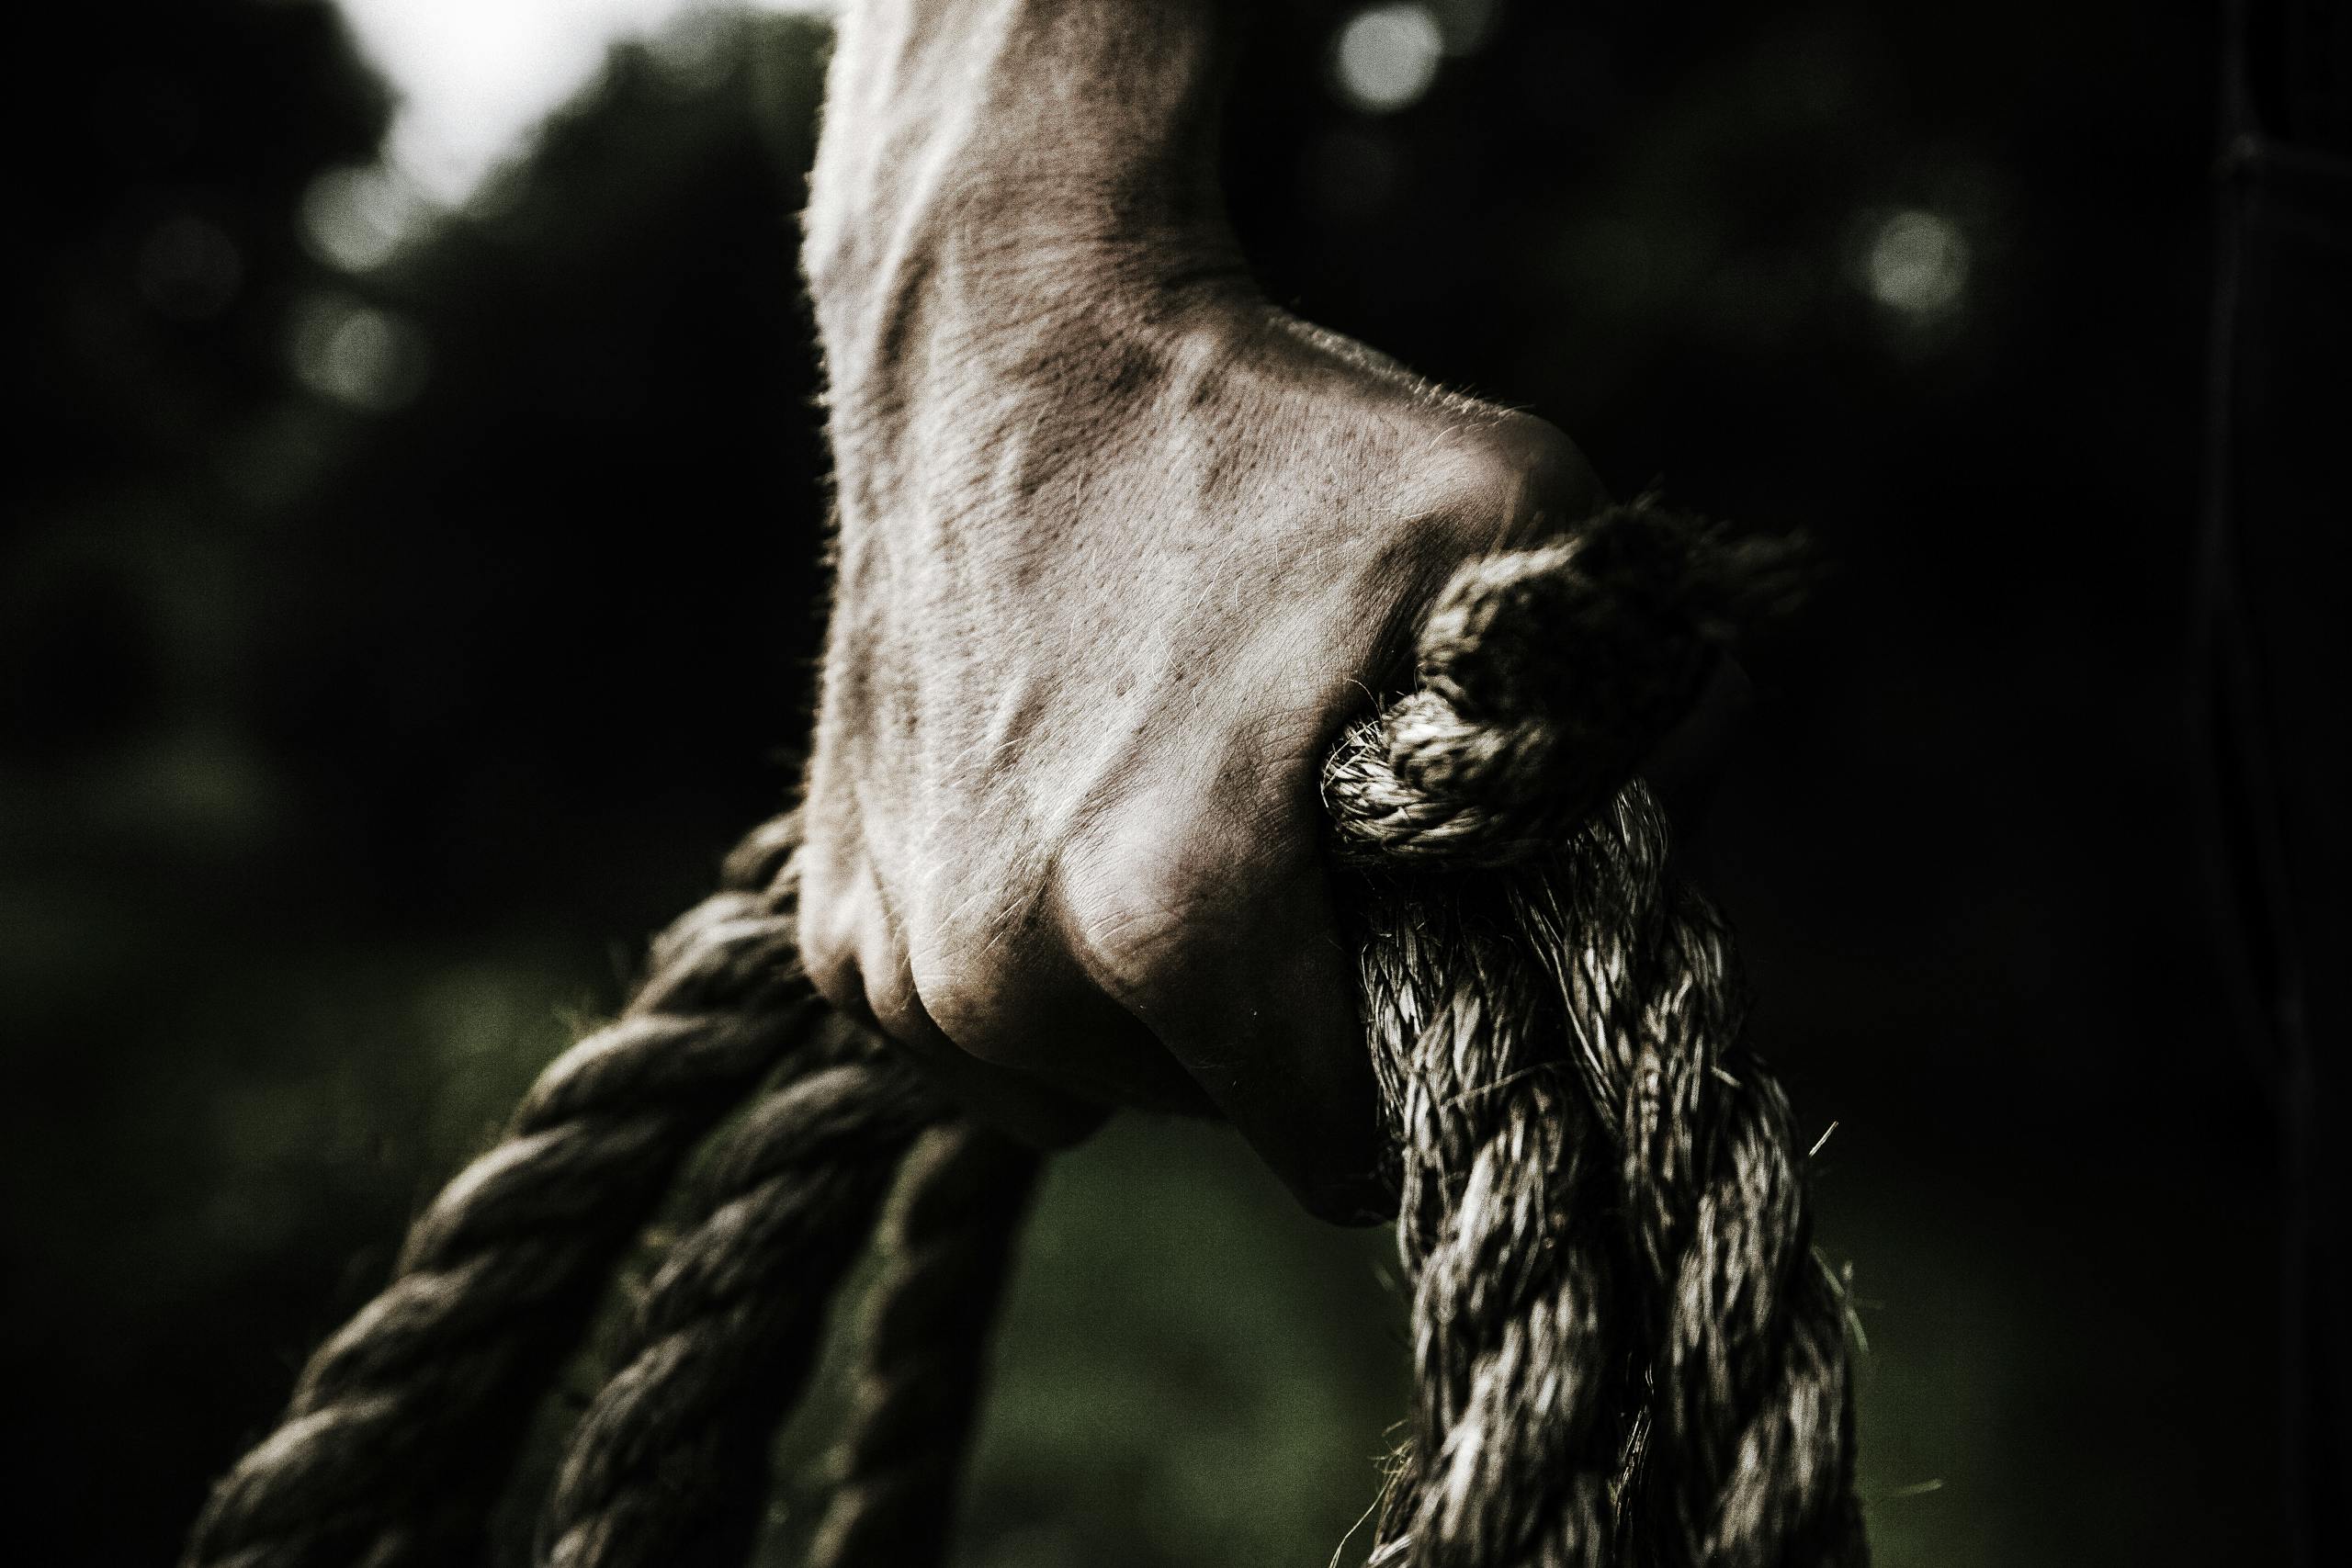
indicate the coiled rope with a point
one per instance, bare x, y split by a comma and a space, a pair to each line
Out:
1625, 1350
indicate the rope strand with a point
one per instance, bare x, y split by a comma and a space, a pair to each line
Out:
948, 1241
1527, 1019
1514, 1444
669, 1466
406, 1422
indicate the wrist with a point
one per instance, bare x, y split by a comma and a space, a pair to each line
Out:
1038, 151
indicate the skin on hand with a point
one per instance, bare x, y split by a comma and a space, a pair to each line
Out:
1122, 548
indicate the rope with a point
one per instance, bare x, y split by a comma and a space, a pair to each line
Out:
1625, 1352
1624, 1347
407, 1421
1515, 1430
1748, 1460
1545, 675
948, 1243
670, 1463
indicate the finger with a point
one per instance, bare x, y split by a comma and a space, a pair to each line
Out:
868, 977
1005, 1099
1030, 1009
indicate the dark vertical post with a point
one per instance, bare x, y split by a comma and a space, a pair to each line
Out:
2272, 700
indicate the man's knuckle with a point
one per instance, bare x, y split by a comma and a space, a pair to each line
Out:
1138, 914
829, 938
966, 978
944, 979
832, 969
892, 997
1512, 477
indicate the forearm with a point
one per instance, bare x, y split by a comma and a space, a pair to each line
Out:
1028, 147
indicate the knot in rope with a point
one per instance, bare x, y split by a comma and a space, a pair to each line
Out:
1544, 676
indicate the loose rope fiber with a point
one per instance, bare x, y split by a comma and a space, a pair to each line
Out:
1624, 1350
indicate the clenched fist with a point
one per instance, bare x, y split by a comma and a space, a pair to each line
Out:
1122, 548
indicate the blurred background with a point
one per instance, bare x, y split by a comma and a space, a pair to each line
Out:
409, 582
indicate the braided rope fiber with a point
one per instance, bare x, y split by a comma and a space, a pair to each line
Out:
1625, 1350
1749, 1452
406, 1422
1516, 1425
948, 1245
670, 1463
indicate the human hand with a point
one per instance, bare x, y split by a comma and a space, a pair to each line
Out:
1122, 548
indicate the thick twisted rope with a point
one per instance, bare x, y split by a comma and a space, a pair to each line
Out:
406, 1422
1748, 1455
670, 1463
1639, 1363
947, 1242
1515, 1430
1544, 676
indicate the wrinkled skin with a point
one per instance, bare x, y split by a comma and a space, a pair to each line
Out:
1122, 547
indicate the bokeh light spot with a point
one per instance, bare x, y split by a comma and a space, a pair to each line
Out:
358, 219
1917, 262
1386, 57
362, 356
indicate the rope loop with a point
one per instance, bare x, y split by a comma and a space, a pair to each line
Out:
1544, 676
